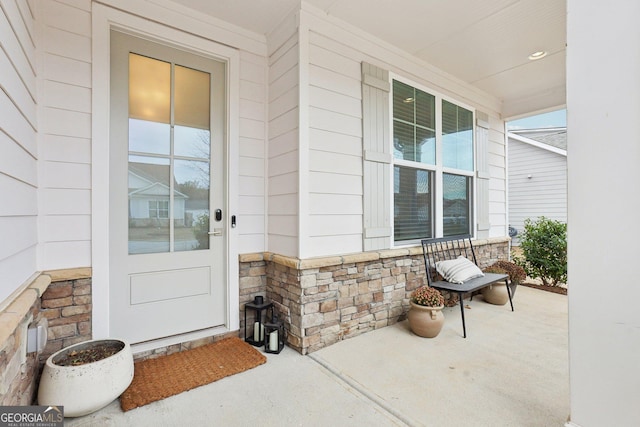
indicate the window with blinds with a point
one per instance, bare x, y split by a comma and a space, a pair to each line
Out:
433, 165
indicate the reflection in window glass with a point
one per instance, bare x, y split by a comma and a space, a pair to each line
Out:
191, 205
149, 191
159, 209
456, 204
149, 137
413, 124
191, 142
412, 204
168, 213
457, 137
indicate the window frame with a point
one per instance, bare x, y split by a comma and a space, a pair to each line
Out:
438, 169
157, 209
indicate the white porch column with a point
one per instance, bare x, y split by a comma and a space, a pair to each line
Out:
603, 105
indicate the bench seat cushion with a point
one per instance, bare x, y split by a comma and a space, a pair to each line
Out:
471, 285
458, 270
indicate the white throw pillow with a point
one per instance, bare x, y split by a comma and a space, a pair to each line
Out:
458, 270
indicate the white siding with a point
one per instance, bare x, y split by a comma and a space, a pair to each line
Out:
283, 153
545, 193
335, 133
65, 144
18, 161
64, 140
57, 185
252, 171
498, 181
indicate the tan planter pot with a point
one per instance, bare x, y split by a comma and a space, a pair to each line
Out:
85, 388
425, 321
496, 294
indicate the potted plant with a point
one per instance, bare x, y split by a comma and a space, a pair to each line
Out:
87, 376
425, 316
496, 293
516, 273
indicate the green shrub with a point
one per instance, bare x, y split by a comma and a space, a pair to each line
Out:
544, 246
201, 231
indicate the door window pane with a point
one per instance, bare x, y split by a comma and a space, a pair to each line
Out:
149, 191
191, 142
412, 204
191, 205
192, 112
149, 89
456, 207
457, 137
168, 213
192, 98
149, 137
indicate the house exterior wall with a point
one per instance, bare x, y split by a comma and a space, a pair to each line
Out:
18, 145
284, 139
314, 183
498, 178
252, 164
300, 161
65, 134
325, 300
333, 108
335, 148
545, 193
65, 139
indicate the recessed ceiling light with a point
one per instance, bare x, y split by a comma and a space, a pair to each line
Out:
407, 100
537, 55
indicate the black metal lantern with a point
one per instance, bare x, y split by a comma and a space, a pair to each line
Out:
257, 329
274, 335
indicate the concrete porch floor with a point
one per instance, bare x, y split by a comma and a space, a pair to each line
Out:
511, 370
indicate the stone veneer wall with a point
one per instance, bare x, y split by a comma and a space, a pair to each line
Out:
57, 300
67, 306
253, 282
19, 370
325, 300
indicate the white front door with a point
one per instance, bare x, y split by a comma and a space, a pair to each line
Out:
167, 183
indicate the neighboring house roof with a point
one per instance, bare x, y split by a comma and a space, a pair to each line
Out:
155, 175
156, 189
551, 139
150, 172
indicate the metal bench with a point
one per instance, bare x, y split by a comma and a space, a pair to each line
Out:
448, 248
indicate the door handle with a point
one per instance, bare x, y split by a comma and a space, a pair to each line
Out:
216, 232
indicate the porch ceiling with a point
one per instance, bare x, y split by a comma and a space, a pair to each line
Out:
484, 43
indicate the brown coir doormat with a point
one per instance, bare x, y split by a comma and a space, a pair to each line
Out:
156, 379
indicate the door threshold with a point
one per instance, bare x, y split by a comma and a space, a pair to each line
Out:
142, 347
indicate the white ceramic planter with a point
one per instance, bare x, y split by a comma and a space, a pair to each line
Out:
85, 388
